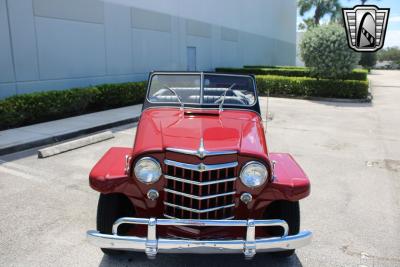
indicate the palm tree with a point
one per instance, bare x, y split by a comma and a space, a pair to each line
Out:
322, 8
364, 1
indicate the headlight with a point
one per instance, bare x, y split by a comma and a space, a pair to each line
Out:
253, 174
147, 170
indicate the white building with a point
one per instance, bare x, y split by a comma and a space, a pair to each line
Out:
58, 44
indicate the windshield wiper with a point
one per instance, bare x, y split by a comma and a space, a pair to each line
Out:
223, 96
176, 94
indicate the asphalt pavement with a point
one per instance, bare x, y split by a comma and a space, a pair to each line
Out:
351, 152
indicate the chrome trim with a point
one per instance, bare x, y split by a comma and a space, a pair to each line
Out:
197, 197
246, 198
200, 183
171, 217
152, 245
200, 167
192, 222
273, 176
152, 194
153, 160
199, 211
248, 163
151, 242
127, 163
250, 245
201, 152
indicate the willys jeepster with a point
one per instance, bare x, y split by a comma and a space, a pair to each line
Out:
199, 177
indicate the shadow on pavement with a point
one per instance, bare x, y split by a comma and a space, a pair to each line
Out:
343, 104
140, 259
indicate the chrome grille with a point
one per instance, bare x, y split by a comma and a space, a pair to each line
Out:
199, 191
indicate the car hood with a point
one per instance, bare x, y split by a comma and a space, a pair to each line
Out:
162, 128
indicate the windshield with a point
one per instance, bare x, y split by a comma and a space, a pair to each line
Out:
238, 90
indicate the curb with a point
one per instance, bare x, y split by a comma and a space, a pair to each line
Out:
74, 144
64, 136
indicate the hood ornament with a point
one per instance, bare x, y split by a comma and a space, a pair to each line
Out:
201, 152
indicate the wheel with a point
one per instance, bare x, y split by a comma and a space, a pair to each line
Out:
288, 211
110, 208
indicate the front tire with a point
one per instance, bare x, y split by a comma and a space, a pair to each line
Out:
288, 211
110, 208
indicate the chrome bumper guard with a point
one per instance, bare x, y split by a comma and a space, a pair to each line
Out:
153, 245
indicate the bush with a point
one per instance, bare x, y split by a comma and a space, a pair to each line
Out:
324, 49
37, 107
119, 95
306, 87
357, 74
389, 54
271, 67
368, 60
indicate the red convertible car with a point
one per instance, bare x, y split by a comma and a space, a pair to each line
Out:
199, 177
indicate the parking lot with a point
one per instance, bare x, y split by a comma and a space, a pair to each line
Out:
351, 152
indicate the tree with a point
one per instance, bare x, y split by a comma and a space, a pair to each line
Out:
321, 8
389, 54
364, 1
368, 60
324, 49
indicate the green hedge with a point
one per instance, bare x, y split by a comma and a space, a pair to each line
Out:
306, 87
357, 74
37, 107
271, 67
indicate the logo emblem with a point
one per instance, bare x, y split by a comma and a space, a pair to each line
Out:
365, 27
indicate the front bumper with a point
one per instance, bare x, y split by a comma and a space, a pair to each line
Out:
152, 245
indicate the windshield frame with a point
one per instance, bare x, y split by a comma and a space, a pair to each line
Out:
147, 103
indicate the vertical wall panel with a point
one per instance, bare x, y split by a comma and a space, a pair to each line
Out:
6, 63
23, 39
151, 50
175, 45
70, 49
118, 39
216, 44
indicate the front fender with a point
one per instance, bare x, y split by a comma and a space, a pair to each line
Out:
109, 172
290, 181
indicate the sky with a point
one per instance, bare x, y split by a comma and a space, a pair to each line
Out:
393, 29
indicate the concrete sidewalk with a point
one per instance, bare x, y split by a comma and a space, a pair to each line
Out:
54, 131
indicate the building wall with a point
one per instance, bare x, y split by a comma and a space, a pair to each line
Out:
58, 44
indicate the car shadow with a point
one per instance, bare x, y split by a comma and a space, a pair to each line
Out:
140, 259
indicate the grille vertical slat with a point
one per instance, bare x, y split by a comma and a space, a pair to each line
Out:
217, 200
174, 196
192, 194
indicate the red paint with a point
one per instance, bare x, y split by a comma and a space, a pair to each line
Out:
239, 130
